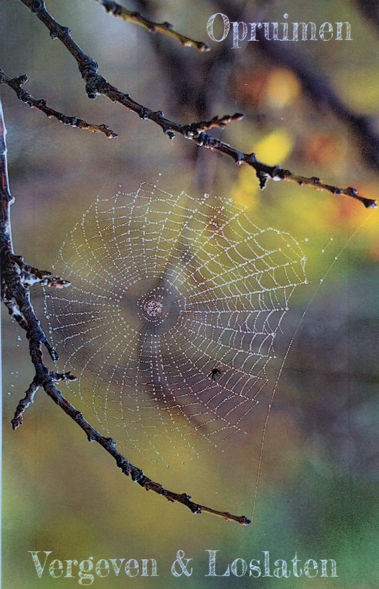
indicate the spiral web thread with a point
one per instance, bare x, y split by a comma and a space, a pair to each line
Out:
171, 318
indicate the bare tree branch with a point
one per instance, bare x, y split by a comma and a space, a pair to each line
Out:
315, 84
165, 28
216, 122
16, 278
96, 84
320, 91
127, 468
40, 104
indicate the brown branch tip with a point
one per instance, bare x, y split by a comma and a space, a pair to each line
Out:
18, 276
40, 104
164, 28
96, 84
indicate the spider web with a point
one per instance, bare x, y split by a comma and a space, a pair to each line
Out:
171, 318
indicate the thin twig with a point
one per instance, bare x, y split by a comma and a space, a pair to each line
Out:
22, 406
40, 104
165, 28
314, 82
96, 84
322, 93
16, 278
127, 468
216, 122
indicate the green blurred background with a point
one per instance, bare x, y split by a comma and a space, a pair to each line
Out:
318, 491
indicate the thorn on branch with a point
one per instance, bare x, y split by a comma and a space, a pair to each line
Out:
278, 173
91, 93
201, 139
17, 422
353, 192
168, 26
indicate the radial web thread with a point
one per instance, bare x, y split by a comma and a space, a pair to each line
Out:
172, 314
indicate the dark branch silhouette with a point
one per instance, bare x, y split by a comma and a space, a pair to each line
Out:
40, 104
165, 28
95, 84
321, 92
16, 278
315, 83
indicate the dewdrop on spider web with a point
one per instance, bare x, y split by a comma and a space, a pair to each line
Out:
171, 318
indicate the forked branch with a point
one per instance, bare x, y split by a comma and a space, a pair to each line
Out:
109, 445
40, 104
16, 278
95, 84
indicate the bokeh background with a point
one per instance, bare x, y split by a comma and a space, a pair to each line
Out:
309, 106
